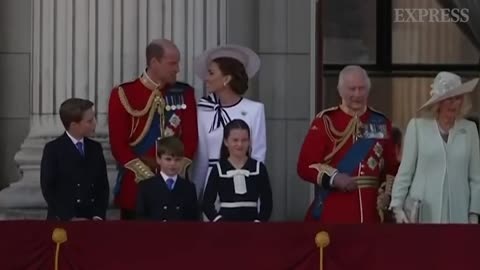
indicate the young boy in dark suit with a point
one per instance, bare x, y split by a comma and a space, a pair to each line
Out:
73, 173
167, 197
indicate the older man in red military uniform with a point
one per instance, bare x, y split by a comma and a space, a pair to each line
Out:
348, 154
144, 110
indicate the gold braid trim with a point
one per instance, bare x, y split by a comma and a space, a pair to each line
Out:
342, 136
140, 170
343, 133
132, 128
155, 103
129, 109
389, 184
367, 181
384, 196
327, 130
320, 114
185, 167
160, 102
145, 128
135, 122
322, 169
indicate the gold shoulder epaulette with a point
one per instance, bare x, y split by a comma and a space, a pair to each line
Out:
125, 83
320, 114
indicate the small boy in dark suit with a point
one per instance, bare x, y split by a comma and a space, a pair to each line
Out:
167, 197
73, 173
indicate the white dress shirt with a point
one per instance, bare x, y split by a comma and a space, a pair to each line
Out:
75, 141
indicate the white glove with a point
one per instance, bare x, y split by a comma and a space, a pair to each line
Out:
400, 215
473, 219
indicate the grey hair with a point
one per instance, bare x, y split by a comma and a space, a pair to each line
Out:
351, 69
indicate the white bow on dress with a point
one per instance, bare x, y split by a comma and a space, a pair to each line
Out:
239, 180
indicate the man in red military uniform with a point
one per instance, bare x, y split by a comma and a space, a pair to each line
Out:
348, 154
144, 110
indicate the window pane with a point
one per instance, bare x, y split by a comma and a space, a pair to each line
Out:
409, 94
430, 38
349, 34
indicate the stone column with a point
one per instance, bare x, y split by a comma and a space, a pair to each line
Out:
82, 48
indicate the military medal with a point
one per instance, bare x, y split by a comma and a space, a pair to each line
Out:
378, 149
183, 106
168, 107
171, 102
174, 120
372, 163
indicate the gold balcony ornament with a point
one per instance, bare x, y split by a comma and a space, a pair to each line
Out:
59, 236
322, 239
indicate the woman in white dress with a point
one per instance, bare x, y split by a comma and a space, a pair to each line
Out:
226, 71
439, 177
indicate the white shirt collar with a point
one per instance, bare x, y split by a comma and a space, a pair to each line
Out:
149, 79
75, 141
165, 177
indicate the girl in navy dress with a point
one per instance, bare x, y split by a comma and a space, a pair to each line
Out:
240, 182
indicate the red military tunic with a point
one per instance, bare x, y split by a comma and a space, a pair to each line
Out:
138, 114
321, 152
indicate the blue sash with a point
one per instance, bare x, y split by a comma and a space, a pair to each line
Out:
357, 152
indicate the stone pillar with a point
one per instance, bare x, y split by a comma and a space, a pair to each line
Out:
82, 49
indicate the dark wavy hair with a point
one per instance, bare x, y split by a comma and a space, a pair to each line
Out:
234, 68
234, 124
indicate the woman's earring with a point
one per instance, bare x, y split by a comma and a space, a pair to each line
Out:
224, 83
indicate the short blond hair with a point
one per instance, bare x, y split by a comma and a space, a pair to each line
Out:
432, 111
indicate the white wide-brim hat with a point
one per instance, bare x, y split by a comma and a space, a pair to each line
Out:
244, 55
447, 85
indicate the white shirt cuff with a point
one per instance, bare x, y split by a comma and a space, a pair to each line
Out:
332, 177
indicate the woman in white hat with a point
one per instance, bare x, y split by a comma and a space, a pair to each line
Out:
439, 177
226, 71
